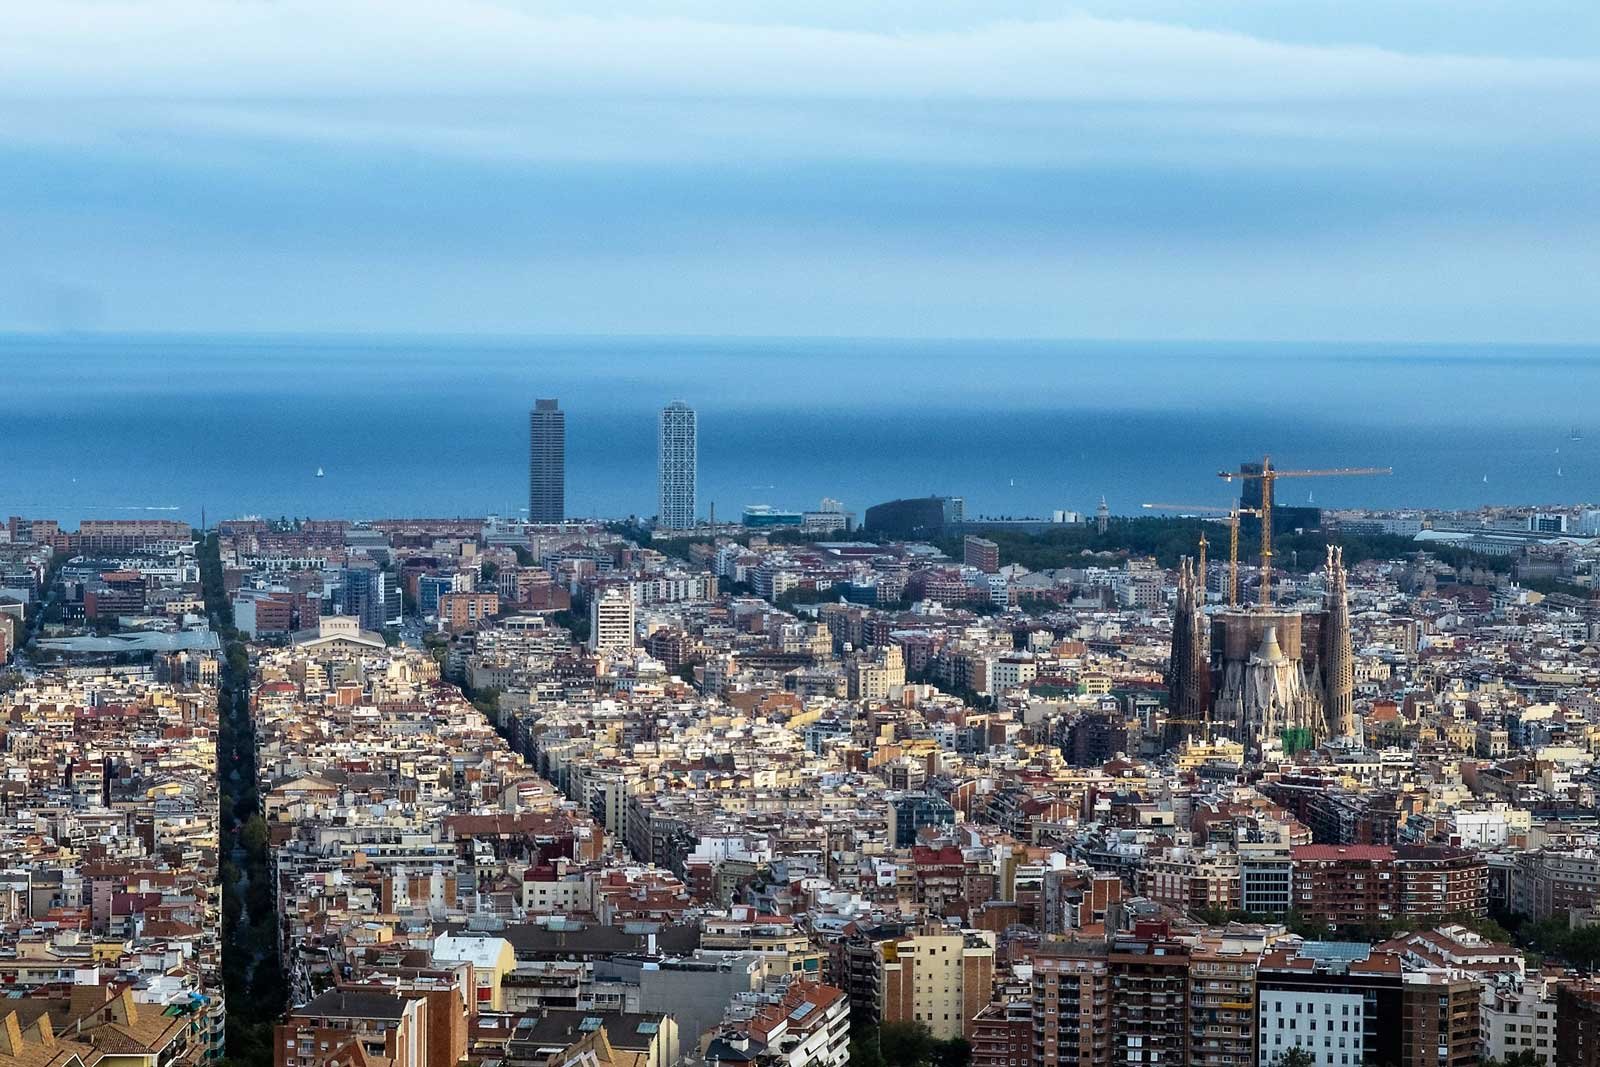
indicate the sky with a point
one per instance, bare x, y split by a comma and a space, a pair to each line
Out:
1306, 170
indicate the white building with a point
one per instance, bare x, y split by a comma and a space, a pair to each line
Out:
1011, 671
1519, 1018
611, 621
1326, 1025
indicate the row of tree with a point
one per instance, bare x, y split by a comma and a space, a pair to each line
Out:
252, 970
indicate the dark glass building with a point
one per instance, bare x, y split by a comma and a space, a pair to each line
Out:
547, 462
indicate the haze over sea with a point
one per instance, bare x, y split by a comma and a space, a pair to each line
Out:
117, 426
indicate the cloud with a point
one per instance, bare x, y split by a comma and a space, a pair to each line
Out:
481, 79
912, 166
361, 48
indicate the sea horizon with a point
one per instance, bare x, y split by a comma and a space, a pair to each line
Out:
412, 425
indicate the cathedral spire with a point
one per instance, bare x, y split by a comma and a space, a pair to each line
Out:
1338, 671
1189, 668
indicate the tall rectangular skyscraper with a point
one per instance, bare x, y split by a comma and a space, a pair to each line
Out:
679, 448
547, 462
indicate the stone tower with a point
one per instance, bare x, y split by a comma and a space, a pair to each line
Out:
1189, 669
1338, 666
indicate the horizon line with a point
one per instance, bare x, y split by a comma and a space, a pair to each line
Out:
534, 335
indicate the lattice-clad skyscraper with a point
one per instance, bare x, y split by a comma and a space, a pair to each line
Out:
679, 455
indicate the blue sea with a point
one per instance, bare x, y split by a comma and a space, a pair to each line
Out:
115, 426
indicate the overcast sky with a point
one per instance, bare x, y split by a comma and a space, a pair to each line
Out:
1420, 170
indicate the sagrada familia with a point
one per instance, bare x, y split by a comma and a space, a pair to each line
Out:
1262, 673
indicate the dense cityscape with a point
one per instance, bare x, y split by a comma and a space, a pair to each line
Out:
801, 787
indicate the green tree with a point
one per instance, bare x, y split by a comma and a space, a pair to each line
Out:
1523, 1057
1295, 1057
487, 701
905, 1044
254, 836
864, 1047
575, 621
956, 1052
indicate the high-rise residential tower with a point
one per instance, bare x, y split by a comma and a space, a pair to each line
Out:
547, 462
611, 620
679, 451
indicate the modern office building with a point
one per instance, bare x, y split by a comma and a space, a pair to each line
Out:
910, 812
1266, 877
372, 596
1286, 518
678, 455
547, 462
927, 516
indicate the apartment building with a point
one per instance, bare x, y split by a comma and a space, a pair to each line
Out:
937, 977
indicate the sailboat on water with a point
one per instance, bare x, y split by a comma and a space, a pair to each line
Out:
319, 473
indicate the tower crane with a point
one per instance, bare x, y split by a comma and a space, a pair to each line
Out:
1232, 514
1267, 476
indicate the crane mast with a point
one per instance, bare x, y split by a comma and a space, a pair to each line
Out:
1268, 476
1232, 515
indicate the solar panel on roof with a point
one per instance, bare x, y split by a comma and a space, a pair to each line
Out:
802, 1011
1335, 950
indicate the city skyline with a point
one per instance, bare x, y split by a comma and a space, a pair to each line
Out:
987, 687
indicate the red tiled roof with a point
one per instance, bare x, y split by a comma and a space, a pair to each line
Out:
1342, 852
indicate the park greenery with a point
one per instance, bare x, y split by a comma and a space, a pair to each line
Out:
1168, 539
1165, 538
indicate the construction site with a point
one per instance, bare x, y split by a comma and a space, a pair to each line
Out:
1264, 674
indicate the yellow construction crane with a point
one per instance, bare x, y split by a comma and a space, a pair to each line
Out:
1232, 514
1268, 475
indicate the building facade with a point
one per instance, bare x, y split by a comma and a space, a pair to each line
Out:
611, 621
936, 977
679, 448
547, 462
